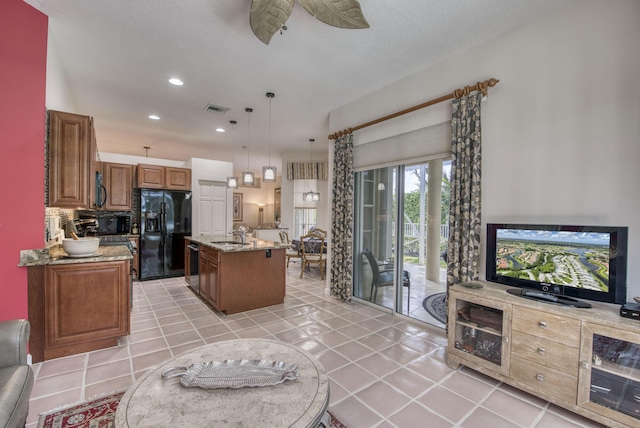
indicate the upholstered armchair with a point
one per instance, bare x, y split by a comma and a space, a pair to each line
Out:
16, 377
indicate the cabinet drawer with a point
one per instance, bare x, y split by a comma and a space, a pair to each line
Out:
545, 380
546, 352
547, 326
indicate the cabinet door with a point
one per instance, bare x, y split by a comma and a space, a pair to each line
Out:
479, 331
609, 379
118, 180
70, 160
85, 302
151, 176
177, 178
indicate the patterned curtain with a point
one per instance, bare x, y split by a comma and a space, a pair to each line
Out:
463, 252
342, 220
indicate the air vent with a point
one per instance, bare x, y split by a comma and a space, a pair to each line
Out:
216, 109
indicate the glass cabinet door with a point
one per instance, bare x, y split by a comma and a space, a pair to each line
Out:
610, 373
478, 332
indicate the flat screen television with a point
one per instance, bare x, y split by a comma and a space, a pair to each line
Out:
584, 262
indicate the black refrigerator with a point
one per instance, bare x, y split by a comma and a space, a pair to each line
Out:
165, 221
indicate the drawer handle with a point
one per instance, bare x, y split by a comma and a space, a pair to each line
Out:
542, 324
540, 378
541, 351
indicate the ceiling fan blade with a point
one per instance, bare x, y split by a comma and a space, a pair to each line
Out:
268, 16
338, 13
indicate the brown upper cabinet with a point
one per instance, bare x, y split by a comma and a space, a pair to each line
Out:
71, 160
163, 177
177, 178
118, 182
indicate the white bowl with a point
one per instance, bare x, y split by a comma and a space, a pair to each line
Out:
81, 246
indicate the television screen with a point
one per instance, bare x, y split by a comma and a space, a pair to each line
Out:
579, 261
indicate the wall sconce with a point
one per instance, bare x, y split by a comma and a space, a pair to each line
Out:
260, 214
381, 186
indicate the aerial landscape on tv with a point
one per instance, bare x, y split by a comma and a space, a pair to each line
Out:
572, 259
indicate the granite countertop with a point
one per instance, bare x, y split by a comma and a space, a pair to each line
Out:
57, 256
227, 243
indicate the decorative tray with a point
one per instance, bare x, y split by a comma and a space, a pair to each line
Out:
233, 373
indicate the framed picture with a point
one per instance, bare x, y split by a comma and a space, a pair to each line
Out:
277, 205
237, 207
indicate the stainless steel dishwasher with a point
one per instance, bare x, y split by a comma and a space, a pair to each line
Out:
194, 277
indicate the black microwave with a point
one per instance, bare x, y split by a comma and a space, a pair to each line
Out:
113, 224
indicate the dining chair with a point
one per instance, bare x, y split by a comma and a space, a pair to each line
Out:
312, 248
291, 253
384, 278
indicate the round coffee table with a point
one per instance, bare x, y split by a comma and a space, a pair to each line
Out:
153, 401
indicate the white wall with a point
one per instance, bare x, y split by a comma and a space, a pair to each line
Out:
58, 95
560, 130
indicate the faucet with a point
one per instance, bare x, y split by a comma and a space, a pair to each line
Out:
241, 232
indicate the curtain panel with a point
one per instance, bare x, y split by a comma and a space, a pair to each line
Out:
307, 171
463, 252
342, 220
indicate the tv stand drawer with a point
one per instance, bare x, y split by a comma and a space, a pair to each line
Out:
548, 381
545, 352
547, 326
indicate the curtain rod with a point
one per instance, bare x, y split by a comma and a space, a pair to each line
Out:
479, 86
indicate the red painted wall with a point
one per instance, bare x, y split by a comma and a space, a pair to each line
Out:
23, 57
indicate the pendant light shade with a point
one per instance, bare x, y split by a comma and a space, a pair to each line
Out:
247, 176
232, 182
269, 172
310, 196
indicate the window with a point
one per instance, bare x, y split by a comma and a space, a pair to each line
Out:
304, 220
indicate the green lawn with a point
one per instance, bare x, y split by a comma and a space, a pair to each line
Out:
414, 260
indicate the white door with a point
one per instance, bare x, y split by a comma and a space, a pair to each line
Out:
212, 207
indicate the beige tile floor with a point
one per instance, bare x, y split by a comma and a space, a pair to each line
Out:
383, 371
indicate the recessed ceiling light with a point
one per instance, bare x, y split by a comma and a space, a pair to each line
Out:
175, 81
220, 130
154, 117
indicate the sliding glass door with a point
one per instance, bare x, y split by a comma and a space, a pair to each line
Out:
400, 237
375, 237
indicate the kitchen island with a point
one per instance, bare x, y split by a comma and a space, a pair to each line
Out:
236, 277
77, 304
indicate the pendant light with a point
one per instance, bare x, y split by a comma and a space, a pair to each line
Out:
310, 196
247, 176
269, 172
232, 182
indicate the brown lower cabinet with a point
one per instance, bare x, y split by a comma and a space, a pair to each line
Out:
76, 308
238, 281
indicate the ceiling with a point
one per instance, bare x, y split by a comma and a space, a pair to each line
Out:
119, 54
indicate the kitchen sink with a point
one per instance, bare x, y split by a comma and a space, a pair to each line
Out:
231, 243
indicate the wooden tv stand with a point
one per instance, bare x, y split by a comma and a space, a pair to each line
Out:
585, 360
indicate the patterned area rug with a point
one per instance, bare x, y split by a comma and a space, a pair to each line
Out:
436, 306
95, 413
101, 412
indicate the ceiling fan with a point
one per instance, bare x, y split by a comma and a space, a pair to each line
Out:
268, 16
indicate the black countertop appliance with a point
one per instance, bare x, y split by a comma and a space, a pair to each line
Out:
166, 220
